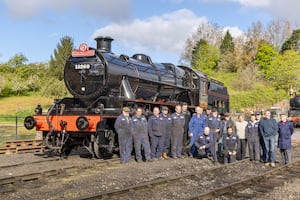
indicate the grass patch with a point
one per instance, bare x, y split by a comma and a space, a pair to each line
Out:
22, 105
11, 133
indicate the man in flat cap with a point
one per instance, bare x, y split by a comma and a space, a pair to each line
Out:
123, 126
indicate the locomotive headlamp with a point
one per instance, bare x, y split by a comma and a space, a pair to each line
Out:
82, 89
82, 123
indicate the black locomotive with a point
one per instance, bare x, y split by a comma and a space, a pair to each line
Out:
102, 83
294, 111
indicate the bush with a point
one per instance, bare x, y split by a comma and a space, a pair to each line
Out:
54, 88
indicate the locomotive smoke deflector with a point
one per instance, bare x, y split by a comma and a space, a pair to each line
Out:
104, 43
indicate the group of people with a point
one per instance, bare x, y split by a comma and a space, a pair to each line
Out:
202, 135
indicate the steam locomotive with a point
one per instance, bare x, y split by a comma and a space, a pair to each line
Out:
102, 82
294, 112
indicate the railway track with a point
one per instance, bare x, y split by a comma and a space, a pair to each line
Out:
10, 182
152, 184
230, 187
255, 186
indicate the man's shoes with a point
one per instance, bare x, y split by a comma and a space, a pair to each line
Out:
272, 164
267, 164
164, 155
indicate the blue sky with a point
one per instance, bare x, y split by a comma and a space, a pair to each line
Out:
158, 28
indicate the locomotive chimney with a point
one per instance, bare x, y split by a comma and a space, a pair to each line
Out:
104, 43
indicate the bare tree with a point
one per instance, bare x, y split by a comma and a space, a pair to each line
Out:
207, 31
277, 31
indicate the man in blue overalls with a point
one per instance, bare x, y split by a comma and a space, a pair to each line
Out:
123, 126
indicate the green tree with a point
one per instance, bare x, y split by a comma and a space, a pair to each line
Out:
61, 54
55, 89
227, 44
266, 53
205, 57
196, 50
284, 71
293, 42
2, 84
17, 60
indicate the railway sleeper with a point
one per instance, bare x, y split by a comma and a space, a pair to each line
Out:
7, 188
290, 175
7, 150
260, 189
295, 171
277, 182
243, 195
267, 186
30, 149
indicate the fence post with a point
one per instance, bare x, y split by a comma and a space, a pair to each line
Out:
16, 127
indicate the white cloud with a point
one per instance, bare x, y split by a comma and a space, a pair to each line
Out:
286, 9
234, 31
165, 33
253, 3
114, 10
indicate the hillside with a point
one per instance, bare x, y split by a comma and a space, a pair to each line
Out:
22, 104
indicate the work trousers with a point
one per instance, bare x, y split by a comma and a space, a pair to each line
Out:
286, 155
254, 150
139, 143
125, 147
176, 143
157, 145
241, 154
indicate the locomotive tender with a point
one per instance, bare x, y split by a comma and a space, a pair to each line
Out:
102, 83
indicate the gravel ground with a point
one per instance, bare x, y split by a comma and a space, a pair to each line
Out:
118, 176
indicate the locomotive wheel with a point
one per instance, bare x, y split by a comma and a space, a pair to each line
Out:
99, 150
97, 147
66, 150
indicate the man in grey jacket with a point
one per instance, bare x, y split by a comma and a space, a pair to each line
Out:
268, 128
